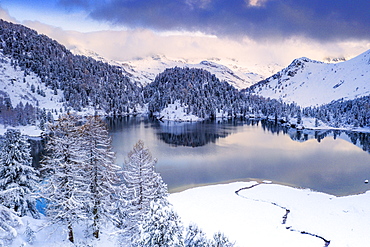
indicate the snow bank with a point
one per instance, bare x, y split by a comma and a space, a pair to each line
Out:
310, 123
254, 216
28, 130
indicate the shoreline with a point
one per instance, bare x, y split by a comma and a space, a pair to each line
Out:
259, 181
35, 131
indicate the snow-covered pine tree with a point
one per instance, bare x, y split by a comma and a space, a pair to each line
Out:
66, 188
29, 234
101, 172
18, 180
143, 186
195, 237
299, 117
220, 240
161, 226
9, 222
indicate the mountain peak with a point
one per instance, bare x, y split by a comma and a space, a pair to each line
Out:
311, 83
303, 60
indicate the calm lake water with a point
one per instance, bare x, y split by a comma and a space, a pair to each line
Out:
191, 154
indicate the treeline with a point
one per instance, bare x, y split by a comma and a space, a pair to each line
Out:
23, 115
343, 113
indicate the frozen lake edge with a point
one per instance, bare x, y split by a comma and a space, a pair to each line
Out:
255, 216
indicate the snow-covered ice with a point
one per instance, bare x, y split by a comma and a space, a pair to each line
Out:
254, 216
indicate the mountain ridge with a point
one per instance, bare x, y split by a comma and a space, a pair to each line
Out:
312, 83
146, 69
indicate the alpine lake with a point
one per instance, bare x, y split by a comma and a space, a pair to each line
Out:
191, 154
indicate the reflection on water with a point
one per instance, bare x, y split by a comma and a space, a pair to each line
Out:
191, 134
190, 154
357, 138
361, 139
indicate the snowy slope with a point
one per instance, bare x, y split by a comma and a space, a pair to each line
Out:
17, 86
313, 83
144, 70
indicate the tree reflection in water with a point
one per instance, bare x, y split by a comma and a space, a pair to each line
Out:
197, 134
191, 134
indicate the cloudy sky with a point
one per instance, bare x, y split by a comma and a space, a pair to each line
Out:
250, 31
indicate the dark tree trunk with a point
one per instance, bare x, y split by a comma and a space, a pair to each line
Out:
70, 233
95, 226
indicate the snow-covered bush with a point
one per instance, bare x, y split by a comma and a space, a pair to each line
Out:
161, 227
9, 222
195, 237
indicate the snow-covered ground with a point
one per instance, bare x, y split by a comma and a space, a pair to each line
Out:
176, 112
46, 235
310, 123
255, 215
28, 130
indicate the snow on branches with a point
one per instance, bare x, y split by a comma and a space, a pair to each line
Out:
18, 179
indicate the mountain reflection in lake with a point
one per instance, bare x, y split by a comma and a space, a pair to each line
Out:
191, 135
191, 154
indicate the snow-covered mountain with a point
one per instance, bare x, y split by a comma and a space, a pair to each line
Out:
144, 70
312, 83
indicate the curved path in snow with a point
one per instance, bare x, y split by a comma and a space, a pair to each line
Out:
285, 216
